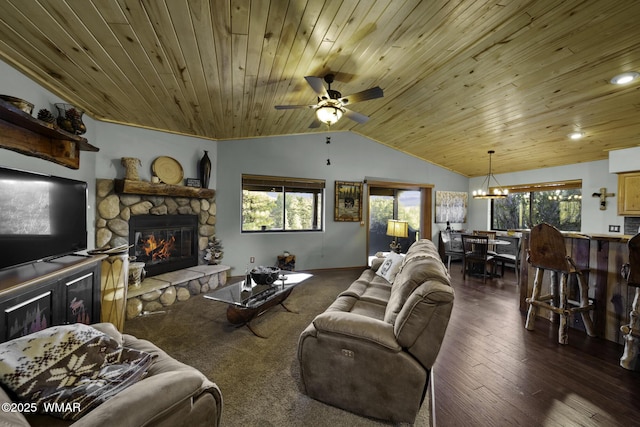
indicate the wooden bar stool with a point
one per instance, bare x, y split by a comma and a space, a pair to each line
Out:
631, 273
547, 251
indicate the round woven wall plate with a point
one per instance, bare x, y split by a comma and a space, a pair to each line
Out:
168, 170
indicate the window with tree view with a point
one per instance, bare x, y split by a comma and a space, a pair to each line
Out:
281, 204
558, 204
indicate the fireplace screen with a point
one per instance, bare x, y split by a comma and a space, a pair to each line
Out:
164, 243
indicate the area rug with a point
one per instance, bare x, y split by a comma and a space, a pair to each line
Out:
259, 378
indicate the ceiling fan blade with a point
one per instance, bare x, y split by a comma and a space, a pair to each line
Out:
317, 86
315, 124
356, 117
365, 95
292, 107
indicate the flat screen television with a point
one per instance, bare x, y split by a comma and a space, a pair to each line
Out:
41, 217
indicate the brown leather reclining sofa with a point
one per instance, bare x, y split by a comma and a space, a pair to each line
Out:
372, 350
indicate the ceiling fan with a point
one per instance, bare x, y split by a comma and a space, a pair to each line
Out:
331, 104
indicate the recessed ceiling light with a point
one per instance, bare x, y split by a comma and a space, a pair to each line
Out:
624, 78
576, 135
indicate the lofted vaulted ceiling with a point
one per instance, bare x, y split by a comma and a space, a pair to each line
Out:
459, 77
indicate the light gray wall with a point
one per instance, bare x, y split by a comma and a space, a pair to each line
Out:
594, 175
117, 141
353, 158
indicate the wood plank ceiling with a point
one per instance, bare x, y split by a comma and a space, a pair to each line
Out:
459, 77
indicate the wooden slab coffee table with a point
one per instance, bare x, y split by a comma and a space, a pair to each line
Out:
248, 302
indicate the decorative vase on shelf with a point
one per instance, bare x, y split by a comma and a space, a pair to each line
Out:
131, 168
70, 119
205, 170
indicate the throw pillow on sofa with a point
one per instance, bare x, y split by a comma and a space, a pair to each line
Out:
69, 370
390, 266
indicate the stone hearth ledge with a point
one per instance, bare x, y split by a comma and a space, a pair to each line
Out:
157, 292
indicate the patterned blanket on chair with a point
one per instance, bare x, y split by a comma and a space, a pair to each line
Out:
66, 371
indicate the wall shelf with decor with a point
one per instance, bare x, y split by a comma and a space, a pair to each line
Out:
21, 132
127, 186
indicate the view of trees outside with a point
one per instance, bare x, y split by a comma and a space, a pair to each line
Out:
381, 209
560, 208
267, 209
511, 212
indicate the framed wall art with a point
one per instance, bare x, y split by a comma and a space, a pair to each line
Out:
348, 204
451, 206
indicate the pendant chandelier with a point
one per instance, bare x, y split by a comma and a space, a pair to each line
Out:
486, 191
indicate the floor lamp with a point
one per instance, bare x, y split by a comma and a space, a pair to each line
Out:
397, 229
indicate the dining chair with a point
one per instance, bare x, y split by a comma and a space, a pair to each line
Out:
476, 257
452, 246
491, 249
509, 254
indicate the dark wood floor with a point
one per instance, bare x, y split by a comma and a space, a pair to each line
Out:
491, 371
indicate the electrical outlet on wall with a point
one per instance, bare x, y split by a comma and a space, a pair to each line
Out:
614, 228
252, 259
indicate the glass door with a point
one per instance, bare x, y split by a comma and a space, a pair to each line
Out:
393, 203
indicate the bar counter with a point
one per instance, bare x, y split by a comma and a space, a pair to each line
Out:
604, 255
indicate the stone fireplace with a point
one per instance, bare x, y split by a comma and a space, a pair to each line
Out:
169, 233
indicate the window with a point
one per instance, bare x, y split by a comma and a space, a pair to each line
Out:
281, 204
556, 203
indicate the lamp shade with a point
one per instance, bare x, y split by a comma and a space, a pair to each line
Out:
397, 228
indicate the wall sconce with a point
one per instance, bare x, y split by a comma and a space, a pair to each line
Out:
603, 197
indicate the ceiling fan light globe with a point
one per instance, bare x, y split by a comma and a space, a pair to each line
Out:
329, 114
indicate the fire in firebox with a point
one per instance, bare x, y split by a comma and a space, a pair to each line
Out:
158, 249
164, 242
156, 246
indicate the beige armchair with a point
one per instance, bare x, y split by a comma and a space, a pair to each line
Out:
172, 394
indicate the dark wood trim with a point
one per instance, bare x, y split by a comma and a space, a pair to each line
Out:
425, 222
544, 186
398, 185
